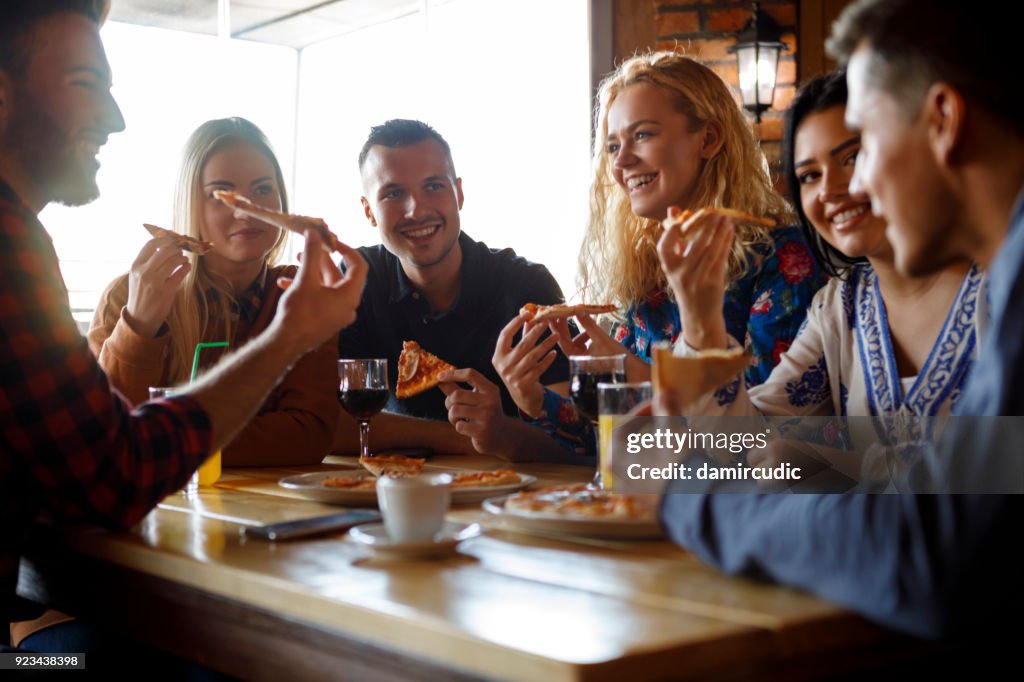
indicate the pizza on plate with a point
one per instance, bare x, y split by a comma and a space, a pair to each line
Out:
582, 501
288, 221
392, 465
539, 313
399, 469
362, 482
418, 370
182, 241
484, 479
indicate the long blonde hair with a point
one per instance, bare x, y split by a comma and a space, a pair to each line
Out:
189, 320
618, 259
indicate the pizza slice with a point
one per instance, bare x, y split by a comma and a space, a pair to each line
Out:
485, 479
418, 370
392, 465
695, 376
687, 217
350, 482
183, 242
296, 223
540, 313
583, 501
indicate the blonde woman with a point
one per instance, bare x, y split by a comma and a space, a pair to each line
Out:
148, 321
669, 134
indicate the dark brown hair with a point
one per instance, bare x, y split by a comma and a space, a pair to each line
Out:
916, 43
19, 17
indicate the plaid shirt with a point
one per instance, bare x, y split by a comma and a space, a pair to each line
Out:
69, 444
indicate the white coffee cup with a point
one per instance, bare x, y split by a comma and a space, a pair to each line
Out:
414, 506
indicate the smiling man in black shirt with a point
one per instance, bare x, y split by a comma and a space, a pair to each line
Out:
429, 282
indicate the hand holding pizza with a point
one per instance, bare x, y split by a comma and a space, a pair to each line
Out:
153, 281
694, 256
521, 366
476, 412
320, 300
596, 341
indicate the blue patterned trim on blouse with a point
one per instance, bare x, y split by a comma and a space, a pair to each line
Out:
812, 388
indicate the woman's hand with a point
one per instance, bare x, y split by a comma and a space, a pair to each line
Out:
521, 366
153, 283
596, 341
695, 266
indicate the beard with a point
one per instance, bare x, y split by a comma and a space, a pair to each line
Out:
48, 155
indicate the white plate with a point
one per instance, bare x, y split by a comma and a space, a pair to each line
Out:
558, 524
311, 486
375, 536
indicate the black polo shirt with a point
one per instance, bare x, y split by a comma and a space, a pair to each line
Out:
495, 285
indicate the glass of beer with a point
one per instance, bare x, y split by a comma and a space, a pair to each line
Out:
614, 400
209, 471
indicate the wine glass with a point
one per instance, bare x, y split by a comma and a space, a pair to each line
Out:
585, 373
363, 392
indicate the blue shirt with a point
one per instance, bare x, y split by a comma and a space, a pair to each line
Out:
931, 565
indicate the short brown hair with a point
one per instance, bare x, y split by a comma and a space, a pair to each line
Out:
19, 17
916, 43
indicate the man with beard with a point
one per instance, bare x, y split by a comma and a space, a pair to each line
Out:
430, 283
942, 159
70, 447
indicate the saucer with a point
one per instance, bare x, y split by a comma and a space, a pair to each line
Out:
375, 536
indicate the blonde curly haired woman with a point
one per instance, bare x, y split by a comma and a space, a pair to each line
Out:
148, 321
670, 134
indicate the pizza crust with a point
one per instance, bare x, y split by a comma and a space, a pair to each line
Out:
182, 241
540, 313
485, 479
687, 218
288, 221
392, 465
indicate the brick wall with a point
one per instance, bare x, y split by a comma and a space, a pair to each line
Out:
705, 29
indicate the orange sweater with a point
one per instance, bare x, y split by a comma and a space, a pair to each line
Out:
296, 423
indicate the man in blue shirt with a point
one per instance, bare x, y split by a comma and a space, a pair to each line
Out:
942, 158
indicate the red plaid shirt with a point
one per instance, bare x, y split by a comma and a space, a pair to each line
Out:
69, 444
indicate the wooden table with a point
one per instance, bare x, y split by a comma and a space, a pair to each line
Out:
509, 606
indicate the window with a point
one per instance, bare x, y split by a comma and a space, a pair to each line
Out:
507, 84
167, 83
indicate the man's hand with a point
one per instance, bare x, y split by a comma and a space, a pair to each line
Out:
520, 367
476, 412
153, 282
320, 300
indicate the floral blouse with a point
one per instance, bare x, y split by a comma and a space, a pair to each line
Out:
766, 309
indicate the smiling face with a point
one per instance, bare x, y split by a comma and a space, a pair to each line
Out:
412, 196
898, 170
656, 152
241, 241
55, 118
824, 155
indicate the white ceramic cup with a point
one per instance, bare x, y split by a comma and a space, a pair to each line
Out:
414, 506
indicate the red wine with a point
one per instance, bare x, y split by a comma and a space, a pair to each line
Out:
583, 389
363, 403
